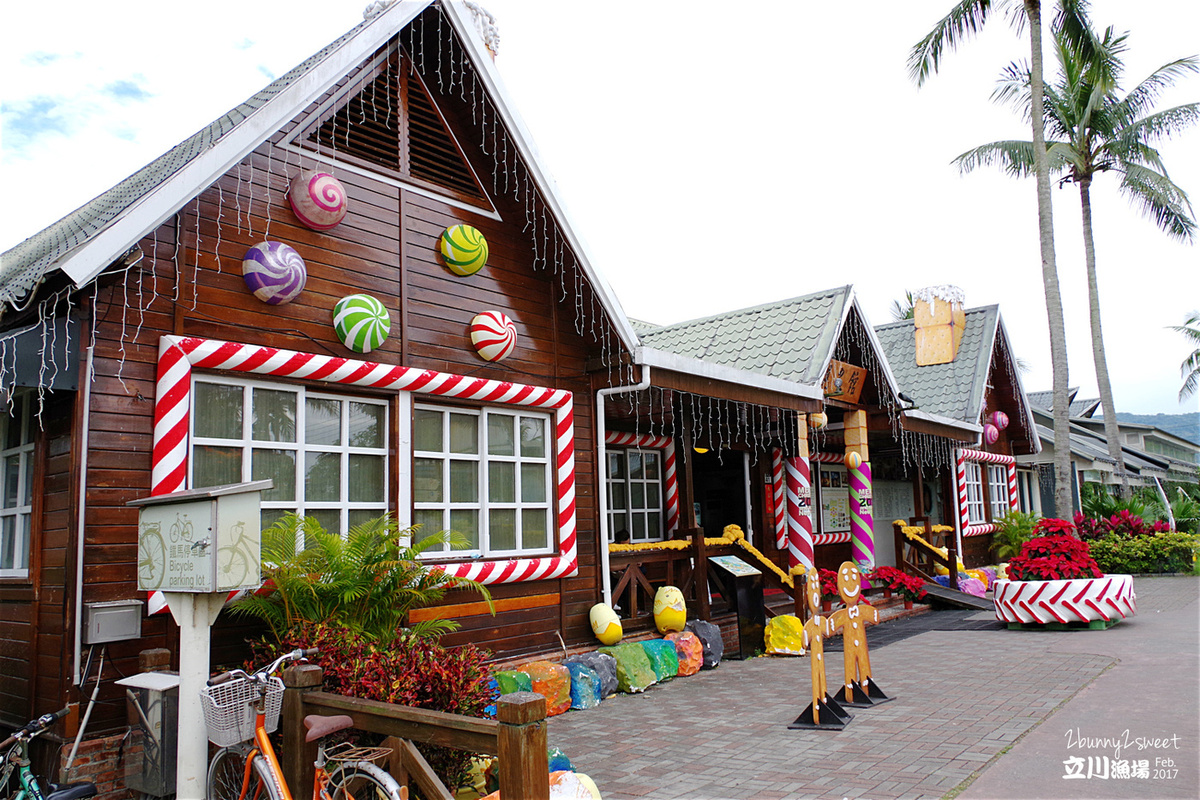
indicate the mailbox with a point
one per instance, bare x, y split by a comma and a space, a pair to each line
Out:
201, 540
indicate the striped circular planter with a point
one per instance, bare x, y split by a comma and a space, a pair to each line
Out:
1108, 599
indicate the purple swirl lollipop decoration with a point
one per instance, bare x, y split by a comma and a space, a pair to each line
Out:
274, 271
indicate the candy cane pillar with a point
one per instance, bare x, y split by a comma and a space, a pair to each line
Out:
799, 502
778, 506
862, 533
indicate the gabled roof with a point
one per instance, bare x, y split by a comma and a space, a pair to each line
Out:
92, 237
956, 389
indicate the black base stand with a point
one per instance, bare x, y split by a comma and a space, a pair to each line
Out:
833, 717
872, 696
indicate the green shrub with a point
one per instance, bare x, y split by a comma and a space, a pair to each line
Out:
1012, 530
1163, 552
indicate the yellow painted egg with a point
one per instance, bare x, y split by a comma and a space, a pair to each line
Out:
670, 610
606, 624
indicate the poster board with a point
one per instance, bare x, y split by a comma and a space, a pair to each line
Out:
835, 500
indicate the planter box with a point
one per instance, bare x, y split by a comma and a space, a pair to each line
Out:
1107, 599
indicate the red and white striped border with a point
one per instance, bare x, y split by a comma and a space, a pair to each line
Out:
179, 355
1107, 598
960, 475
778, 509
670, 481
828, 458
831, 538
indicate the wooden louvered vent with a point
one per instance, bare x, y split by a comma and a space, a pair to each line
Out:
372, 128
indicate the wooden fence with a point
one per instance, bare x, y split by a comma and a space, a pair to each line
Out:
517, 736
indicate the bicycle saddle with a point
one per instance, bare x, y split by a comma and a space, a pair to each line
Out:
71, 791
319, 726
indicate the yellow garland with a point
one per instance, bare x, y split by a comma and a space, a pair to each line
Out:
732, 534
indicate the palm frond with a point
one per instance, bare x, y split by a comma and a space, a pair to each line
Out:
1014, 157
965, 19
1143, 96
1160, 199
1072, 26
1161, 125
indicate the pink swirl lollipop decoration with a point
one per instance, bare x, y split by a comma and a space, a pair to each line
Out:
318, 199
274, 271
494, 335
991, 433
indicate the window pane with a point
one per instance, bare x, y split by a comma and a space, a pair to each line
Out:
427, 431
427, 481
637, 493
654, 525
12, 480
464, 482
367, 424
533, 529
500, 435
366, 479
502, 482
652, 500
279, 466
8, 543
430, 520
639, 527
330, 518
533, 437
269, 516
466, 522
533, 483
274, 416
635, 465
616, 465
502, 529
322, 477
357, 516
28, 493
322, 421
464, 433
616, 499
218, 411
216, 466
651, 466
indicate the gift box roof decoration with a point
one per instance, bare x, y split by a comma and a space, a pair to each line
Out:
940, 321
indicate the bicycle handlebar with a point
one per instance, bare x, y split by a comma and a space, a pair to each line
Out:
34, 727
262, 674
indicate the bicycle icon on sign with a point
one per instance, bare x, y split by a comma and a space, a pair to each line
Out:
234, 560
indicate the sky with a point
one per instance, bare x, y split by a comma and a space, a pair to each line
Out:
712, 155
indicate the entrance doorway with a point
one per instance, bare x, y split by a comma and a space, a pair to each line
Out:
719, 483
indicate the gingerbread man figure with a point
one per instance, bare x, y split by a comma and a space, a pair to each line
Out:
852, 621
815, 630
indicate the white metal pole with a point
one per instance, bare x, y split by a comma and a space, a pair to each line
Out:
194, 613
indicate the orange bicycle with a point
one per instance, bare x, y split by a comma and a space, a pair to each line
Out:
241, 710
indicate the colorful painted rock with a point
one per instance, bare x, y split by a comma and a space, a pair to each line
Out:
662, 658
688, 651
605, 624
1000, 419
991, 433
853, 460
494, 335
274, 271
670, 611
361, 322
585, 686
465, 249
511, 680
784, 636
818, 420
604, 665
553, 682
710, 637
634, 671
318, 199
565, 785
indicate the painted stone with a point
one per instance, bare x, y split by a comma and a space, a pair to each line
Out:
465, 249
634, 671
785, 636
274, 271
565, 786
972, 586
511, 680
553, 682
853, 460
494, 335
585, 686
558, 760
670, 610
689, 651
605, 624
604, 665
493, 690
361, 322
1000, 419
990, 433
710, 637
318, 199
662, 658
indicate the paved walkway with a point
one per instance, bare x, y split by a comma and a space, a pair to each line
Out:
985, 712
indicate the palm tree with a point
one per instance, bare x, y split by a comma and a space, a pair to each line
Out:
1190, 368
1092, 130
901, 311
964, 19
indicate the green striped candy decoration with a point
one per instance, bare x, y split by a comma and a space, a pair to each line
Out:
465, 249
361, 322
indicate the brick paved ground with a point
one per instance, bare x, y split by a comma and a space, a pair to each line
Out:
961, 698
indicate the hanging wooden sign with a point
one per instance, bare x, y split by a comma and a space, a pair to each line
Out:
844, 381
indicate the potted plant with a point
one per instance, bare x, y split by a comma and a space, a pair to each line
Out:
1055, 581
829, 589
910, 587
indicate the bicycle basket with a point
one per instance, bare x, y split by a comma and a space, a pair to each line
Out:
229, 710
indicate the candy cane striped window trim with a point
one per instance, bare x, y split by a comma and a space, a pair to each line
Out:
670, 480
178, 356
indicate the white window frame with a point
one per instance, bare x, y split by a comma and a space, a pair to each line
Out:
18, 538
998, 490
300, 504
482, 505
973, 478
625, 516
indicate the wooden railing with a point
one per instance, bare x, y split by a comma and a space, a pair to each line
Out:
918, 557
517, 736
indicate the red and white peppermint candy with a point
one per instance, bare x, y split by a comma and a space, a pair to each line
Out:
494, 335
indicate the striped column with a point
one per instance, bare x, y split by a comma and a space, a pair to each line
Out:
778, 509
862, 525
1014, 499
799, 508
960, 478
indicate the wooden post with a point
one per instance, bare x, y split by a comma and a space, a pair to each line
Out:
298, 755
800, 596
701, 572
952, 552
900, 538
521, 741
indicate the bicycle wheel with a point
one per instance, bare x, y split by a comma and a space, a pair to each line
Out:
227, 772
362, 780
232, 567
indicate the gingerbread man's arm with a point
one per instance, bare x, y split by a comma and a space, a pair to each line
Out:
837, 620
872, 614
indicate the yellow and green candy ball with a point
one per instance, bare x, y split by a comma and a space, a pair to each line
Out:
464, 249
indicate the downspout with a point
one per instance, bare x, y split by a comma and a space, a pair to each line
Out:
83, 471
601, 470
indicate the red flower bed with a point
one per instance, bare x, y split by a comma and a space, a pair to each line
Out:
1053, 557
908, 586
